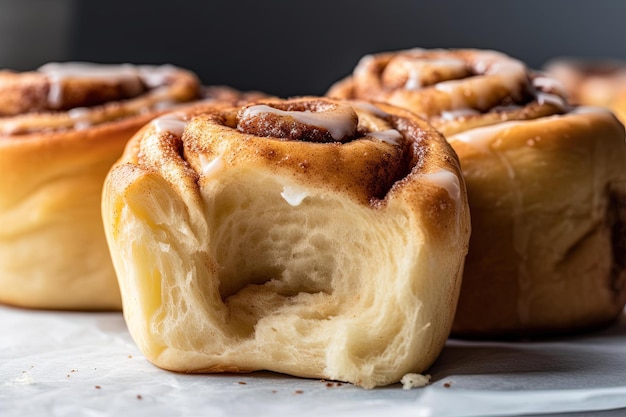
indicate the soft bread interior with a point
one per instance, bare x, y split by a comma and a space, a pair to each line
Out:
325, 288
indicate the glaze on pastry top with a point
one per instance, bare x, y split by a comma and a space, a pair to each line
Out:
364, 156
472, 87
314, 121
62, 96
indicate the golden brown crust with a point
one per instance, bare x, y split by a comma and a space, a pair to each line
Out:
547, 202
263, 249
545, 180
53, 253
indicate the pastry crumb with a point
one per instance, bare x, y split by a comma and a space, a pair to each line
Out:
414, 381
97, 387
447, 384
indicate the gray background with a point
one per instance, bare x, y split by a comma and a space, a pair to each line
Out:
295, 47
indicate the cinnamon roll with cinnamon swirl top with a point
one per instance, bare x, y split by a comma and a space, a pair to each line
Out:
314, 237
546, 185
61, 129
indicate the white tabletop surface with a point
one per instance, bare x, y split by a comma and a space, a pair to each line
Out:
86, 364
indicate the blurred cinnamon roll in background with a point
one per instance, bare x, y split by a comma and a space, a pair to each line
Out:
314, 237
593, 82
546, 185
61, 129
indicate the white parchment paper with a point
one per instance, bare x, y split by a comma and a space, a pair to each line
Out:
86, 364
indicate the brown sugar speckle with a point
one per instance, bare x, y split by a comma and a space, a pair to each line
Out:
447, 385
97, 387
139, 397
299, 391
242, 383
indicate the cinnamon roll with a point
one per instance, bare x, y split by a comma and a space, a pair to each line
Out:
593, 82
546, 185
313, 237
221, 94
61, 129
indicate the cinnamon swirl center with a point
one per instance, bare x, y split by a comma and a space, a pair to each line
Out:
309, 121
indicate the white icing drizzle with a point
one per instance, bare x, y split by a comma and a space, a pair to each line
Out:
210, 167
416, 69
338, 122
481, 138
80, 116
549, 84
154, 76
370, 108
58, 72
447, 180
294, 195
547, 98
414, 81
450, 182
172, 123
391, 136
